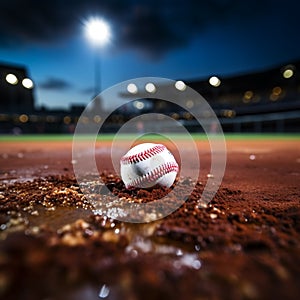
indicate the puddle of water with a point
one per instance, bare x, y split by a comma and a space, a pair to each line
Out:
141, 237
58, 217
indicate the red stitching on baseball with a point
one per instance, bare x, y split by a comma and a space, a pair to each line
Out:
153, 175
135, 158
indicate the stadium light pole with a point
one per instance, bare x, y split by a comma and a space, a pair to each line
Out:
98, 33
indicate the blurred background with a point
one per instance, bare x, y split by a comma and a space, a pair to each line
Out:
243, 57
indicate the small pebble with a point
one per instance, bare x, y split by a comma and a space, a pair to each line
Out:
213, 216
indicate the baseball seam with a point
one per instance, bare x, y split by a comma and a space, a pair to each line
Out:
135, 158
154, 174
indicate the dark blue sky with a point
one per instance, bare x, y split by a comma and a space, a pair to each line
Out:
176, 39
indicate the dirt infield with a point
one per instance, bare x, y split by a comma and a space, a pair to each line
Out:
244, 245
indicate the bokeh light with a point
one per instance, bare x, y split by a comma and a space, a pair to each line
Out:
277, 92
97, 119
214, 81
23, 118
132, 88
98, 31
139, 104
150, 88
248, 95
27, 83
180, 85
288, 73
67, 120
189, 104
11, 78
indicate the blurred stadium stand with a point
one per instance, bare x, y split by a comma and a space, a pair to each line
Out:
266, 101
16, 94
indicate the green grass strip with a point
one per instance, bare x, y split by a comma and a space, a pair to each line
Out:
149, 137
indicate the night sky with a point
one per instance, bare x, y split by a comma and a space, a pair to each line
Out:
176, 39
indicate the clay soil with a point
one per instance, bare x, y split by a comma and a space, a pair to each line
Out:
245, 244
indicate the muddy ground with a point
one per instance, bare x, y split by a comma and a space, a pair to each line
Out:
244, 244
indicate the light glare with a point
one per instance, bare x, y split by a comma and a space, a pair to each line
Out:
132, 88
67, 120
214, 81
139, 104
12, 79
180, 85
97, 31
23, 118
288, 73
150, 88
27, 83
189, 103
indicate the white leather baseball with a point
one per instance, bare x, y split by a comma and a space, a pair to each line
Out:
148, 164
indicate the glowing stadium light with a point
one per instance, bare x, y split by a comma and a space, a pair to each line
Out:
139, 104
277, 92
230, 113
214, 81
180, 85
12, 79
175, 116
189, 104
23, 118
97, 119
150, 88
85, 120
288, 73
132, 88
187, 116
248, 95
97, 31
27, 83
67, 120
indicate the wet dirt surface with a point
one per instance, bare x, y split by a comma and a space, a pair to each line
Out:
244, 244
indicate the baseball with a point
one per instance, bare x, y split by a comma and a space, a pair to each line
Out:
148, 164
